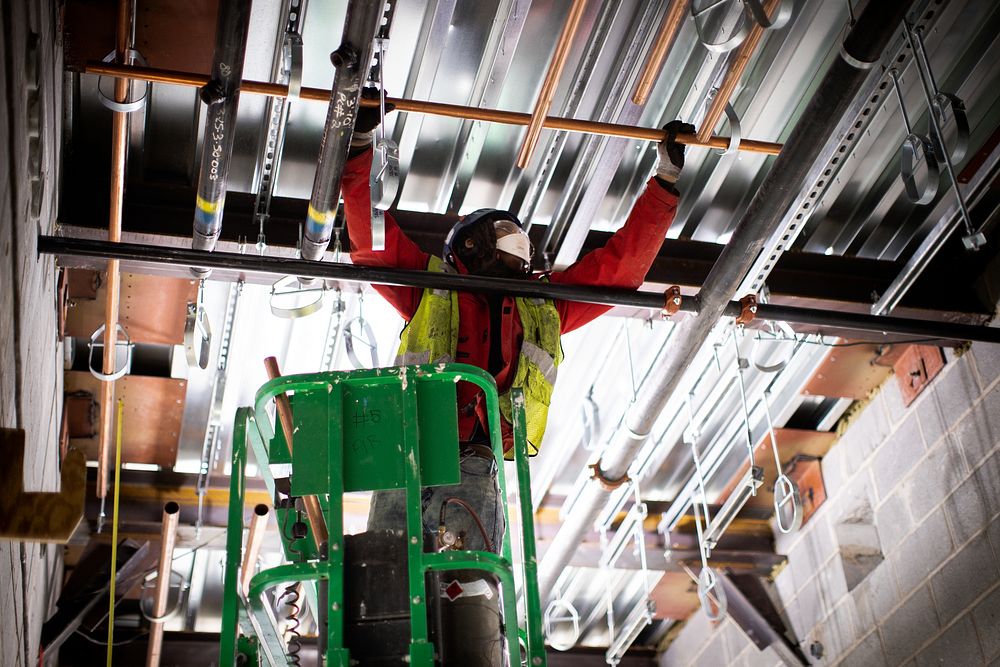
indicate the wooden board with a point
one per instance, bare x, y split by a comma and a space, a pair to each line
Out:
154, 407
791, 442
853, 372
153, 309
675, 595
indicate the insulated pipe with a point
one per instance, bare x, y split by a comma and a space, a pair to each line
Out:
255, 536
314, 511
777, 192
435, 108
351, 61
222, 95
733, 75
672, 22
879, 326
119, 145
551, 81
168, 537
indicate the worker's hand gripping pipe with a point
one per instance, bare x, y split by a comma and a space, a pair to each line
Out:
222, 95
351, 61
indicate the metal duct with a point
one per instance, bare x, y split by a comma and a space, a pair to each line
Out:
787, 177
222, 95
351, 60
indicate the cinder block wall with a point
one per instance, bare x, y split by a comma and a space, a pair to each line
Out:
30, 354
901, 565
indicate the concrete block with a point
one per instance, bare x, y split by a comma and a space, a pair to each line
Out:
893, 521
895, 411
802, 562
875, 597
978, 433
734, 640
897, 456
868, 653
865, 434
834, 469
919, 554
955, 390
986, 617
967, 510
832, 581
966, 576
784, 584
955, 646
933, 480
840, 629
909, 626
933, 424
766, 658
986, 358
988, 476
812, 608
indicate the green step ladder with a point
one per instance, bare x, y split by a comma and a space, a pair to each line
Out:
387, 428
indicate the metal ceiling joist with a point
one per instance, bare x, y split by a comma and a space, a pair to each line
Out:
791, 171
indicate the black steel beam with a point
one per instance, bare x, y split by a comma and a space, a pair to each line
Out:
846, 283
877, 327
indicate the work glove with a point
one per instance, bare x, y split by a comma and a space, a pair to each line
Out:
368, 119
670, 152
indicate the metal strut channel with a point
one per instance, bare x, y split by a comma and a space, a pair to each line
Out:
286, 69
877, 326
210, 446
222, 96
351, 61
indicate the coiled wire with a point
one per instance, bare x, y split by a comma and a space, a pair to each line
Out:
289, 598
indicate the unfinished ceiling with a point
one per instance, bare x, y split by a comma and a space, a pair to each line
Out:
852, 237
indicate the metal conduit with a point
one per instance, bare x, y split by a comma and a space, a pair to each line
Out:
878, 326
174, 77
864, 44
351, 61
222, 96
119, 150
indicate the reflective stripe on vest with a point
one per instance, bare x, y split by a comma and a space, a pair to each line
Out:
431, 336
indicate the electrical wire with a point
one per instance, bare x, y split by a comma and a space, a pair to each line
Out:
101, 642
472, 513
290, 596
806, 339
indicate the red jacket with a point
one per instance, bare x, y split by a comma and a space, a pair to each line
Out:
622, 262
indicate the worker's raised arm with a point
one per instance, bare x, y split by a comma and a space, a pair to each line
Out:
400, 251
626, 257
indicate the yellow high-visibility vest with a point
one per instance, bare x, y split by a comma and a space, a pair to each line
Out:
432, 337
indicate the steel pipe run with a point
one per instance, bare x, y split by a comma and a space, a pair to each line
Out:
673, 20
119, 145
434, 108
879, 326
776, 193
351, 61
255, 536
551, 81
168, 537
221, 94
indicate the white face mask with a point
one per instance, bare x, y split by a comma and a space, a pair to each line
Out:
512, 239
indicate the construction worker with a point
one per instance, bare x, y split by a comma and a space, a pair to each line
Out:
515, 339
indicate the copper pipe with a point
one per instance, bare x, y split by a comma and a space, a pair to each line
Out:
258, 522
548, 91
171, 514
672, 22
314, 511
733, 75
434, 108
119, 142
